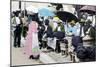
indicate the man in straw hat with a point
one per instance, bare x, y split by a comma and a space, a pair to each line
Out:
54, 22
59, 33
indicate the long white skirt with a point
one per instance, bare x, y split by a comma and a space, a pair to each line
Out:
35, 44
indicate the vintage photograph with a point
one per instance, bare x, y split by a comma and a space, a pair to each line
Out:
52, 33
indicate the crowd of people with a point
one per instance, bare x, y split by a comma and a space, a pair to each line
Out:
42, 32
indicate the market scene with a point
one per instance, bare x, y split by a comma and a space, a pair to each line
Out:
49, 33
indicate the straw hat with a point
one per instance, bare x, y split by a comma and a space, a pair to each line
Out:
56, 19
72, 22
82, 20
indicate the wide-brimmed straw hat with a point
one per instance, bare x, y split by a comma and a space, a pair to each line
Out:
56, 19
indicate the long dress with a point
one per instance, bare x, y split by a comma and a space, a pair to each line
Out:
31, 44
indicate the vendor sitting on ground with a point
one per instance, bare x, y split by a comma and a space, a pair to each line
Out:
71, 29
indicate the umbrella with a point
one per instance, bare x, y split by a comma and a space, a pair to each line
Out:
31, 10
45, 12
63, 15
58, 5
50, 8
88, 9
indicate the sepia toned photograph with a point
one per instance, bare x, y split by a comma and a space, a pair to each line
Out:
51, 33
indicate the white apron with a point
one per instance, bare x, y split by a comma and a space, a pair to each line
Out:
35, 44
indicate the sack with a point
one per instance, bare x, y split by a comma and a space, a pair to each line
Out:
91, 52
81, 52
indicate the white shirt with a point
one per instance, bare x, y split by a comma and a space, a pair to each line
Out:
54, 25
59, 28
17, 20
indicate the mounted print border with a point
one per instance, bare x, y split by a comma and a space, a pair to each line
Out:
51, 33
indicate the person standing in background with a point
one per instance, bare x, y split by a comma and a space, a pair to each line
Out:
18, 30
